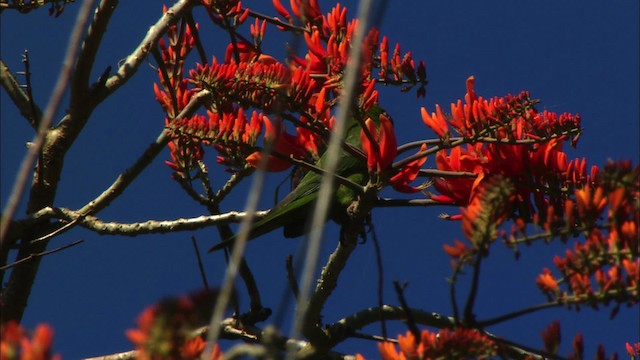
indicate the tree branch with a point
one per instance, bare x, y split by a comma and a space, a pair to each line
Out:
135, 59
44, 253
18, 96
57, 143
518, 313
458, 141
343, 328
44, 183
151, 226
101, 17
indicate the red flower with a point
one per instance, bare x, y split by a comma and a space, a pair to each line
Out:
551, 337
408, 173
459, 190
459, 343
436, 122
17, 345
456, 251
284, 144
380, 157
164, 329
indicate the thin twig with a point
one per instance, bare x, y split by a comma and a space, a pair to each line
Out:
165, 77
278, 22
58, 231
36, 113
468, 316
411, 323
44, 253
203, 275
378, 338
452, 293
378, 252
458, 141
291, 276
518, 313
18, 96
196, 37
338, 178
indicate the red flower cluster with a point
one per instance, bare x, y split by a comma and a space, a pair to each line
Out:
633, 350
551, 338
302, 92
490, 206
459, 343
16, 343
165, 330
505, 136
329, 41
226, 12
258, 82
505, 118
606, 266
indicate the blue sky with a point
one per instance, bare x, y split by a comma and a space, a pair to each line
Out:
576, 56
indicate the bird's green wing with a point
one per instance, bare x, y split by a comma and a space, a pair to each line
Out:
293, 211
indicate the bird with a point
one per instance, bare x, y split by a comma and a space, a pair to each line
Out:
292, 212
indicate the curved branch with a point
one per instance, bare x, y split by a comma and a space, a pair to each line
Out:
181, 9
151, 226
341, 329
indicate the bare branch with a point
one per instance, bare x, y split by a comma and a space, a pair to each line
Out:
152, 226
90, 46
346, 327
49, 112
44, 184
44, 253
19, 97
157, 31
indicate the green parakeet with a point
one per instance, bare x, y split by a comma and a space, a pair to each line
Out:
292, 212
